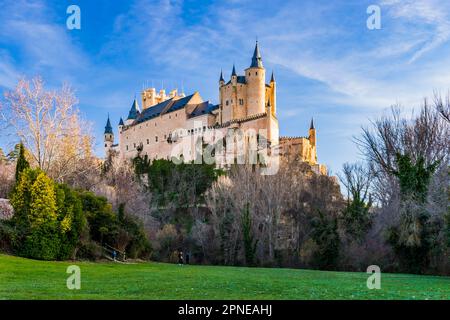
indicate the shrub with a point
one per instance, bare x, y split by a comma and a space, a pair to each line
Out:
103, 222
138, 244
8, 235
49, 217
34, 203
41, 243
71, 219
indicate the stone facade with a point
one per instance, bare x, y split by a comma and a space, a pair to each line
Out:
246, 102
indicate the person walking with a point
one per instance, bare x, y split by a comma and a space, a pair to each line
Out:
180, 258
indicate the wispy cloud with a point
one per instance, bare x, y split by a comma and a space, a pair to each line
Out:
429, 19
44, 46
8, 72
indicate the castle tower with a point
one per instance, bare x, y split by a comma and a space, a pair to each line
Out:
233, 76
121, 124
221, 80
108, 136
221, 84
148, 98
133, 113
273, 95
255, 77
313, 141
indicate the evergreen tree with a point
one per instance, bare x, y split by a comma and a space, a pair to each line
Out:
356, 217
14, 154
72, 222
325, 235
412, 238
35, 207
43, 201
22, 162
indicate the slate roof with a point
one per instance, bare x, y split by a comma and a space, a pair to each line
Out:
134, 111
172, 105
256, 59
108, 127
203, 108
167, 106
240, 79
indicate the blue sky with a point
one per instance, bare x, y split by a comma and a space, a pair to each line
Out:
327, 63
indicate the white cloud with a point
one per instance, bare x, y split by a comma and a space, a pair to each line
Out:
8, 72
430, 14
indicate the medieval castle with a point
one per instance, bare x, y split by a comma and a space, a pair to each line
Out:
246, 102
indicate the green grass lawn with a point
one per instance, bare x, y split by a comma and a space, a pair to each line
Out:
30, 279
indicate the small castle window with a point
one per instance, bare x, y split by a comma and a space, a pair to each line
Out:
127, 148
170, 117
106, 145
156, 138
134, 145
256, 73
226, 103
148, 141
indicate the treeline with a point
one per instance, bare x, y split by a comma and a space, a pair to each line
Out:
52, 221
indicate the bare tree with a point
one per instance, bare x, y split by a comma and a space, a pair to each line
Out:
7, 180
49, 125
280, 206
443, 106
423, 136
356, 178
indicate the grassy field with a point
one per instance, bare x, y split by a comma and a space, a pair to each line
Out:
29, 279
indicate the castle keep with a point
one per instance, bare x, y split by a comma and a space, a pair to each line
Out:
246, 102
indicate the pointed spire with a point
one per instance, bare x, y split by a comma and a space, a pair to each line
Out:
272, 78
221, 76
121, 122
256, 59
108, 127
233, 73
311, 127
134, 111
